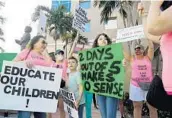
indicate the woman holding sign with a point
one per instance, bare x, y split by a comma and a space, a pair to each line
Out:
107, 105
34, 55
141, 78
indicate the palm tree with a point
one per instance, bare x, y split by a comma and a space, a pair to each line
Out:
2, 20
59, 23
109, 6
55, 20
126, 9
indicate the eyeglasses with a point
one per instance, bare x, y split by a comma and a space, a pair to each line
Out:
137, 48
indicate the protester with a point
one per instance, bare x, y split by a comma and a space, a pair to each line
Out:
74, 84
107, 105
61, 63
25, 38
35, 54
141, 75
159, 23
121, 108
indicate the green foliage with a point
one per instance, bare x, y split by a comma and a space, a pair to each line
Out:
109, 6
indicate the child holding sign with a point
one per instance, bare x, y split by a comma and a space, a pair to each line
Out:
74, 84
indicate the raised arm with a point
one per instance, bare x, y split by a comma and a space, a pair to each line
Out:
143, 14
155, 39
127, 56
150, 53
159, 22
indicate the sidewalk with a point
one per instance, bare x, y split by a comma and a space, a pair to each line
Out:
95, 114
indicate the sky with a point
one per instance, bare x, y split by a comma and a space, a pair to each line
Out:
18, 15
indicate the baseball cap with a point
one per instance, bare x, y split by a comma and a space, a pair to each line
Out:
59, 52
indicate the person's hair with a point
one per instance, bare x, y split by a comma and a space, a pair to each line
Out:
34, 40
95, 44
73, 58
166, 4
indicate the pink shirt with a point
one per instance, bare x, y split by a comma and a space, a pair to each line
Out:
40, 60
64, 67
36, 58
166, 51
141, 71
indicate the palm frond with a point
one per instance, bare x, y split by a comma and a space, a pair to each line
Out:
60, 19
38, 9
2, 50
123, 12
2, 4
2, 19
82, 40
109, 6
1, 32
1, 38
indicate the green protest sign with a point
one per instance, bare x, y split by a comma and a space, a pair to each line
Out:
102, 71
7, 57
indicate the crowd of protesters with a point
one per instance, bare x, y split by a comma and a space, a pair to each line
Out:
157, 27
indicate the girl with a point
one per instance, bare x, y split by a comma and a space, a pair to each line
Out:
107, 105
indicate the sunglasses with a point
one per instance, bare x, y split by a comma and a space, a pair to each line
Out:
44, 42
138, 48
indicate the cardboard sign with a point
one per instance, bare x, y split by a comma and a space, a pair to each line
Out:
27, 89
129, 34
102, 71
69, 102
80, 19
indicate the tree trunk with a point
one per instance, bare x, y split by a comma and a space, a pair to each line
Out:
55, 47
74, 43
66, 43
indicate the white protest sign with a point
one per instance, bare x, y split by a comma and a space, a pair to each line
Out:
130, 33
24, 89
69, 102
80, 19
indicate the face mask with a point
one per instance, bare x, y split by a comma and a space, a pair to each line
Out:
59, 57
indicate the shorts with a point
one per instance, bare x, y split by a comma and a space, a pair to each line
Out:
137, 94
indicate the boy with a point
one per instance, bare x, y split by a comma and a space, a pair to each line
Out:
74, 84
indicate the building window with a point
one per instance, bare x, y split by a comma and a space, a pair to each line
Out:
111, 23
57, 3
87, 27
85, 4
